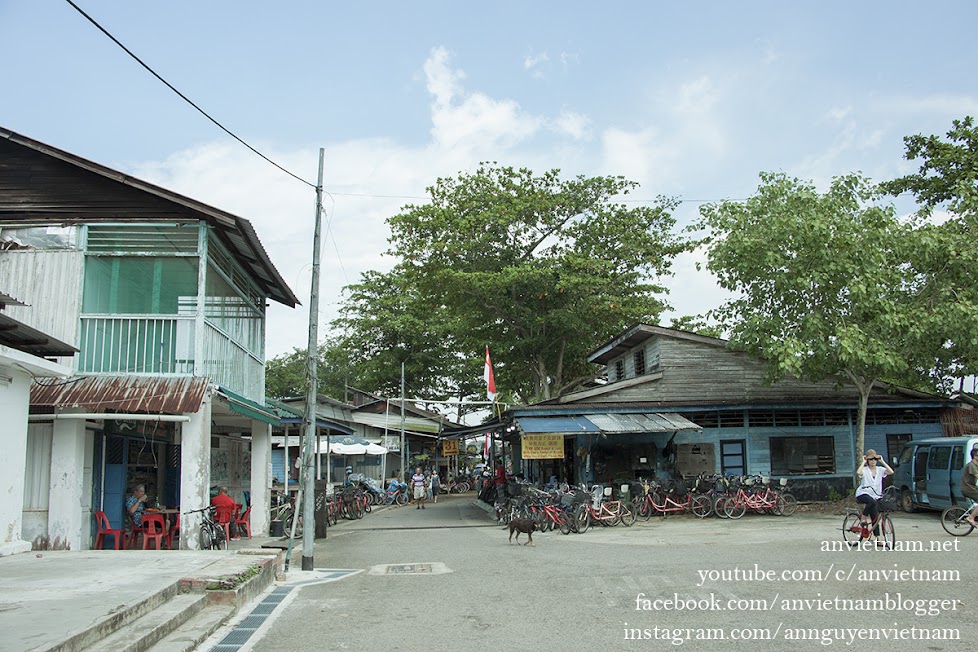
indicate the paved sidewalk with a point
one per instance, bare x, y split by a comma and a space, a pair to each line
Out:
48, 597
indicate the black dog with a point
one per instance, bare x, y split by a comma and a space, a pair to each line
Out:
522, 526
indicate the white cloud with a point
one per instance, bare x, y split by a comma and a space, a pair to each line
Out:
698, 96
372, 179
534, 62
473, 122
575, 125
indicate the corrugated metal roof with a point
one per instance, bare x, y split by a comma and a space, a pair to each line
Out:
178, 395
556, 425
22, 337
646, 422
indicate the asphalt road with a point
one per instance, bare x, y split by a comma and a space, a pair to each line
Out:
761, 583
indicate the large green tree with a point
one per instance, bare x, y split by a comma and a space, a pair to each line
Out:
820, 282
538, 268
386, 321
946, 247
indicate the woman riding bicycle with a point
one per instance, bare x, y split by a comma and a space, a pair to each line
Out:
870, 488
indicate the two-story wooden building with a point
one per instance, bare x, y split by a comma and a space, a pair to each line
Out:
709, 401
164, 297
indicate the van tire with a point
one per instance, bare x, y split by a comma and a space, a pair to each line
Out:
906, 501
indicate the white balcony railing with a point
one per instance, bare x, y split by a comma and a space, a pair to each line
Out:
136, 344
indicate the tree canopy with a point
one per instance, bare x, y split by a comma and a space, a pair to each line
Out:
538, 268
820, 281
946, 247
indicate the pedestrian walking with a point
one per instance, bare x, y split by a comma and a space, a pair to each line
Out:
435, 487
418, 482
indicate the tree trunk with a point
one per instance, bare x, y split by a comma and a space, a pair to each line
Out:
865, 386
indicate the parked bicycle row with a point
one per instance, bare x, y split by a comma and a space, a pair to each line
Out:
575, 509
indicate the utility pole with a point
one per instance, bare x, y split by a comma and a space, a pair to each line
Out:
403, 451
312, 355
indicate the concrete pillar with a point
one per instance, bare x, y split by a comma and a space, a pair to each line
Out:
261, 477
195, 472
15, 394
67, 530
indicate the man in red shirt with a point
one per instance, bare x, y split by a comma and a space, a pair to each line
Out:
222, 499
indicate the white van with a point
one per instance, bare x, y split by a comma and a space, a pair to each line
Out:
928, 473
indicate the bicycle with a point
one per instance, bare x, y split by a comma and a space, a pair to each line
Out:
660, 500
608, 512
954, 522
212, 535
759, 500
854, 531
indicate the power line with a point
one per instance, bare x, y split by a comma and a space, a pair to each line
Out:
184, 97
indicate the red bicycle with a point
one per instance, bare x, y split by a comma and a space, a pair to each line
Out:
674, 499
608, 512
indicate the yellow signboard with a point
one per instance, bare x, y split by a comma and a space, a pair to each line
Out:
543, 447
449, 447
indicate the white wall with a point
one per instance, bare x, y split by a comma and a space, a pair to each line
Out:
15, 390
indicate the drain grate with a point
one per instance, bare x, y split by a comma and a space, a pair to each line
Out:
408, 569
243, 631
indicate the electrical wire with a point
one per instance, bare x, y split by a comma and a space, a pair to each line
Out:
184, 97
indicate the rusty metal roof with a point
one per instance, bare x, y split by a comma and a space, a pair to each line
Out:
156, 395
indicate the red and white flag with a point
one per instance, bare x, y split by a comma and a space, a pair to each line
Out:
489, 378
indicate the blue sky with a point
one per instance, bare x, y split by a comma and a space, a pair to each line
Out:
691, 100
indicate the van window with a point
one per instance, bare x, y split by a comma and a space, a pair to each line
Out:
939, 458
906, 455
957, 458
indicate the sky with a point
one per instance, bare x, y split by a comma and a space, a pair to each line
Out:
691, 100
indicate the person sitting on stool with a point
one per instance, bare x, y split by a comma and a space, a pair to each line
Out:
222, 499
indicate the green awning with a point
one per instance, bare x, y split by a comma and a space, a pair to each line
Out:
249, 408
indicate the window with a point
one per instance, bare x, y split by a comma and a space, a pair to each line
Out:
802, 455
940, 456
619, 370
733, 458
640, 362
119, 285
895, 445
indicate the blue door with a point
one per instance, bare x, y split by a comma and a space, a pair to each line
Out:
939, 477
114, 487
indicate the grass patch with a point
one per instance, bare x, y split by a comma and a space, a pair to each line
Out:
232, 582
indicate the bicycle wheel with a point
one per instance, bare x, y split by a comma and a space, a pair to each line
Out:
734, 508
583, 518
852, 529
206, 538
718, 506
887, 533
564, 522
954, 523
700, 506
788, 506
628, 514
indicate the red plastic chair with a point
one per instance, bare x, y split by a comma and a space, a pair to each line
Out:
174, 531
154, 528
244, 521
135, 530
223, 516
104, 528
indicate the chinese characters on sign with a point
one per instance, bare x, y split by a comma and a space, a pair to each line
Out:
543, 447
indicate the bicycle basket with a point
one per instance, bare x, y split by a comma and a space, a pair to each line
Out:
888, 503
